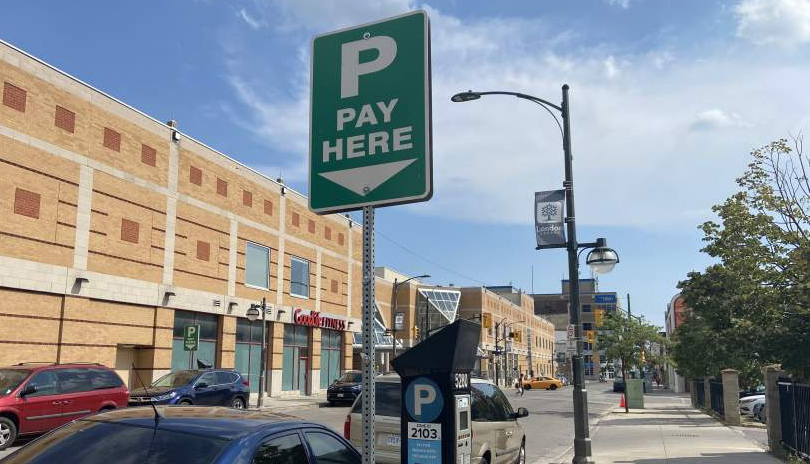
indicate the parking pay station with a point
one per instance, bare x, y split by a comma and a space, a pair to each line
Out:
436, 418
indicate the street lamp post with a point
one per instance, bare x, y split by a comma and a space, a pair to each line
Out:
497, 347
253, 315
394, 312
601, 259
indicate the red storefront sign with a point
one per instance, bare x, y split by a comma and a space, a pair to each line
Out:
315, 319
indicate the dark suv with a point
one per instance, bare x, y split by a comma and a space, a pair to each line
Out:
345, 388
36, 398
209, 387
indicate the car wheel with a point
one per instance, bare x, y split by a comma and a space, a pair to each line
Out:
185, 403
527, 387
8, 432
521, 454
238, 403
331, 404
552, 387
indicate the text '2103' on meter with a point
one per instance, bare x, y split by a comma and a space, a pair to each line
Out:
370, 126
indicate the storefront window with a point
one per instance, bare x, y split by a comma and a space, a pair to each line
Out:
295, 369
249, 351
206, 353
331, 341
299, 277
257, 265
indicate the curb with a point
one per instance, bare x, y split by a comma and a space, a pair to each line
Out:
568, 451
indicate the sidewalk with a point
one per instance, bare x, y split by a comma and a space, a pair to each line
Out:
670, 431
281, 404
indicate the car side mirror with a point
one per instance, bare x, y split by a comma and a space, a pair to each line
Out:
200, 386
29, 390
521, 412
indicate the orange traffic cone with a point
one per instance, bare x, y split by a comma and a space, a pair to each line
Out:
622, 404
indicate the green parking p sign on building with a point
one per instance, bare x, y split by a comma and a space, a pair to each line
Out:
191, 337
370, 127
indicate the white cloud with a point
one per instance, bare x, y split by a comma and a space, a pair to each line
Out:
624, 4
250, 20
611, 70
642, 141
716, 118
785, 23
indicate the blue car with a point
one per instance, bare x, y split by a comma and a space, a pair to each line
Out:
207, 387
199, 435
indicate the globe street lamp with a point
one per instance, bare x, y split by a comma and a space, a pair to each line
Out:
601, 259
252, 315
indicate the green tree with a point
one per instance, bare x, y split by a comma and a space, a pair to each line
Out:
625, 338
753, 307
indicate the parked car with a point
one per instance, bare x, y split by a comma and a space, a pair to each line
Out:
39, 397
544, 383
753, 391
345, 388
760, 413
208, 387
199, 435
747, 404
497, 436
618, 385
756, 408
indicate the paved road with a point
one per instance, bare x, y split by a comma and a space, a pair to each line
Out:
549, 427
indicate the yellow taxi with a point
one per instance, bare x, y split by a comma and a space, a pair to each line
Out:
546, 383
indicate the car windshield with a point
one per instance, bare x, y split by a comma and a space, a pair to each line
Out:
351, 377
97, 442
175, 379
11, 379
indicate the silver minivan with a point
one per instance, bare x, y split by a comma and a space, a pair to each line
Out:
497, 437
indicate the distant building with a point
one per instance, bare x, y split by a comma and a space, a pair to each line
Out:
594, 306
676, 314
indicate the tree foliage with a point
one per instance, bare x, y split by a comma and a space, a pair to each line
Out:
628, 339
751, 308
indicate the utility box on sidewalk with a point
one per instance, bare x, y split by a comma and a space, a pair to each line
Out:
634, 393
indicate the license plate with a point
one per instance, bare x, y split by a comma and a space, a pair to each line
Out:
394, 440
340, 395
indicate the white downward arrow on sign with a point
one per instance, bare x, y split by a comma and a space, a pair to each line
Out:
364, 180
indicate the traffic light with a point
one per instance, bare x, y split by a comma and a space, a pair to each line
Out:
415, 332
516, 335
486, 320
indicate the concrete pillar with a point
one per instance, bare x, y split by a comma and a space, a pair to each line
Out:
707, 399
731, 396
773, 411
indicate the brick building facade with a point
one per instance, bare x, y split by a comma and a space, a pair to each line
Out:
116, 230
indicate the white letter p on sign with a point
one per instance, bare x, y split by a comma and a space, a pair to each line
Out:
423, 399
351, 68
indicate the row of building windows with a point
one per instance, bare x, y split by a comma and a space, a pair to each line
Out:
296, 350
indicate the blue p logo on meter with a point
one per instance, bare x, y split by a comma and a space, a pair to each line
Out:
424, 400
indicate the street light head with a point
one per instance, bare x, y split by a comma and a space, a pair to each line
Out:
602, 259
465, 96
253, 313
425, 276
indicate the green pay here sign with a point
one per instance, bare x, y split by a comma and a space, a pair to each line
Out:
370, 125
191, 337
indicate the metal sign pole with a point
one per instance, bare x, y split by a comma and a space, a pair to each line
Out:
368, 357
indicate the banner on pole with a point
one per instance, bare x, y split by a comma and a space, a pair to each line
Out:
549, 218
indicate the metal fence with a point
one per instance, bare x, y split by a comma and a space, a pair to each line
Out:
700, 392
716, 390
794, 405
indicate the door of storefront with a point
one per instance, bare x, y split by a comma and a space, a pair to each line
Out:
206, 353
303, 370
295, 370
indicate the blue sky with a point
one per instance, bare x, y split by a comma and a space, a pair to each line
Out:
668, 97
